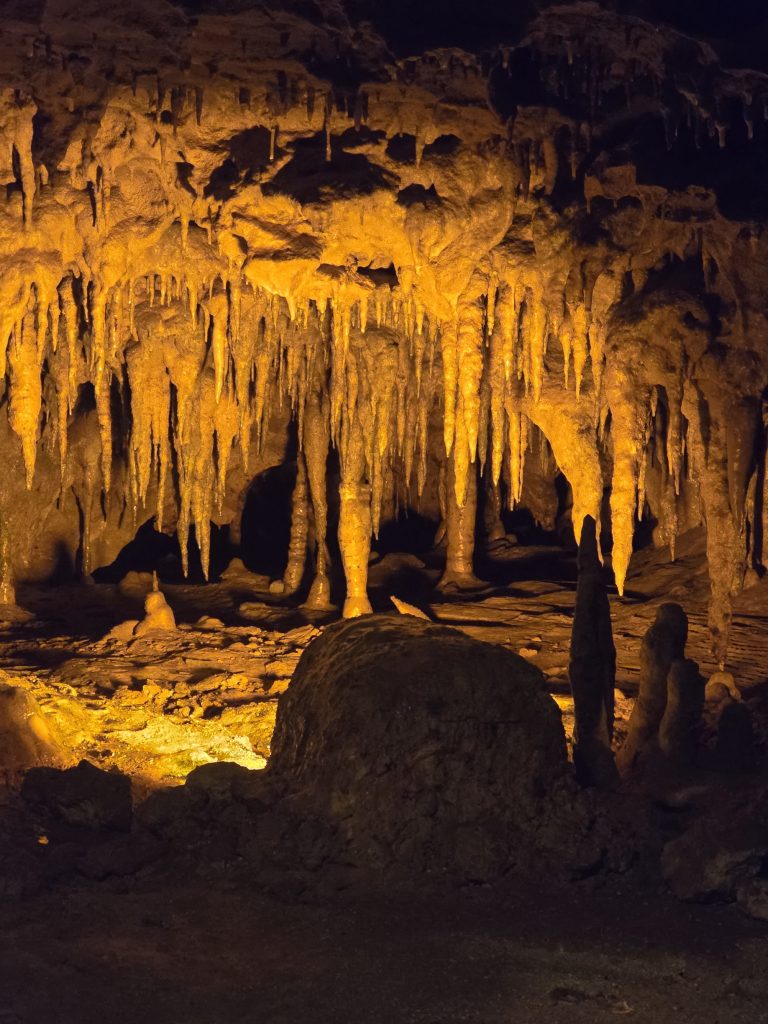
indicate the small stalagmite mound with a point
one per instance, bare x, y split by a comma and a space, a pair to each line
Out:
426, 750
157, 615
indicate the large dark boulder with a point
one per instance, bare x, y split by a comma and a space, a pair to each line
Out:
83, 796
425, 748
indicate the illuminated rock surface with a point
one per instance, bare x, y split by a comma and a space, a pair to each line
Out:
449, 255
299, 278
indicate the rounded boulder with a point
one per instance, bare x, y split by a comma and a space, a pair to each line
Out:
427, 749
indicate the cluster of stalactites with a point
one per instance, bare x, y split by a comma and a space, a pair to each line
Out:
496, 370
499, 382
199, 368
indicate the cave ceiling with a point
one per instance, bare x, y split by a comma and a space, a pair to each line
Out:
215, 215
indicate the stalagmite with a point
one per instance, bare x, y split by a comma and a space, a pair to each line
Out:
662, 645
592, 668
678, 739
158, 616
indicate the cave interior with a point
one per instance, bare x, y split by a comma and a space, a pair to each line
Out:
383, 421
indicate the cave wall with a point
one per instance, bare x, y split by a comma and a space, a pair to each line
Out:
215, 222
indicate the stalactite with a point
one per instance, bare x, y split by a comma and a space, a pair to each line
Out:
579, 343
571, 433
450, 357
629, 402
139, 269
218, 308
104, 412
517, 442
469, 349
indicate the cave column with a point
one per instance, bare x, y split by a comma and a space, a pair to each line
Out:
297, 545
7, 588
355, 524
316, 444
460, 529
492, 521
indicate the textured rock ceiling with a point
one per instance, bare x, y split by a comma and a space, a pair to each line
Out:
210, 218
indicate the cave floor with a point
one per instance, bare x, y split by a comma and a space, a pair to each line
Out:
219, 953
208, 948
159, 705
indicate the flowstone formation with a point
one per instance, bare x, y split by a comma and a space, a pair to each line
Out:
433, 265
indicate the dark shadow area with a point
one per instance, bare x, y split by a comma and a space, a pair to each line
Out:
152, 551
249, 155
309, 177
444, 145
265, 526
413, 194
402, 148
410, 532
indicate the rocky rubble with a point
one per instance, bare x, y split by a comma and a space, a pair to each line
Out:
154, 705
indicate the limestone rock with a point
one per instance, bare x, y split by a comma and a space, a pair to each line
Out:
408, 609
158, 616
